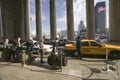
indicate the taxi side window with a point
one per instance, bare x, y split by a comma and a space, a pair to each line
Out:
84, 44
95, 44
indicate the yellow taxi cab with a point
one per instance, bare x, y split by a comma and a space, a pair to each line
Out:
92, 47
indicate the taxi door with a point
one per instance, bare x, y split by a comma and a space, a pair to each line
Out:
97, 49
85, 48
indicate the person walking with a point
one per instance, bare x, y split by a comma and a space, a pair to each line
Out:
78, 47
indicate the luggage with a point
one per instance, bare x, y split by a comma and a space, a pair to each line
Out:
7, 54
55, 60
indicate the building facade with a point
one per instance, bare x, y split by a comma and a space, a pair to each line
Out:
100, 17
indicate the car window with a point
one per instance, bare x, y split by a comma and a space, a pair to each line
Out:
65, 40
36, 43
24, 44
71, 42
84, 44
1, 43
95, 44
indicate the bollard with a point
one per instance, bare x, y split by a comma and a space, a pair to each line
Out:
61, 60
106, 54
23, 59
107, 60
117, 69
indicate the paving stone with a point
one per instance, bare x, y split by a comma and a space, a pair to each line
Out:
86, 69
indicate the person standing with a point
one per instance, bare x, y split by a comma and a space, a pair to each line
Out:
55, 46
78, 47
6, 54
30, 45
18, 48
6, 44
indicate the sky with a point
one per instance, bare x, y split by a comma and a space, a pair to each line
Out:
79, 7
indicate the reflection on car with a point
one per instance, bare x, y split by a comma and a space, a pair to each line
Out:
62, 42
47, 48
92, 47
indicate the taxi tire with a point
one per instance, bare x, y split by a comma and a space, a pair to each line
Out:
114, 55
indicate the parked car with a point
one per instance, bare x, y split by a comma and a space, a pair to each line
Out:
92, 47
47, 48
62, 42
2, 45
48, 41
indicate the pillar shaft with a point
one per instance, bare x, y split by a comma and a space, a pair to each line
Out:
53, 18
114, 17
0, 22
13, 19
7, 18
22, 21
27, 18
90, 19
19, 30
39, 18
70, 20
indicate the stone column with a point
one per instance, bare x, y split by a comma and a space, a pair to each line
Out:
27, 18
70, 20
114, 20
19, 30
38, 18
7, 18
0, 22
53, 19
22, 21
90, 19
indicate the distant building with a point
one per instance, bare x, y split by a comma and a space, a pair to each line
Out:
100, 17
81, 29
63, 34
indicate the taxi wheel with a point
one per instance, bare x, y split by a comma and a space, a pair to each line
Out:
114, 55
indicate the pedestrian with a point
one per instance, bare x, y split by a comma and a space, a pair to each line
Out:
6, 43
41, 49
30, 45
6, 55
18, 48
78, 47
55, 46
8, 52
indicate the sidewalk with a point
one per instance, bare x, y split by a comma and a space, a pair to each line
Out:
92, 69
86, 69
